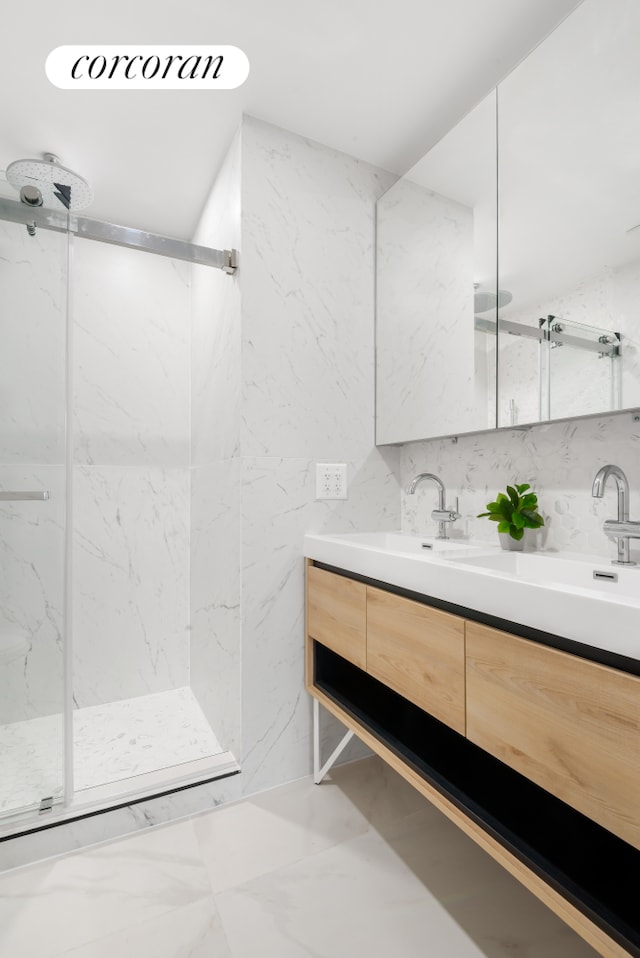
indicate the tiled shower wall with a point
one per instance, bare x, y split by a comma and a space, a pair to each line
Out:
32, 457
131, 348
131, 403
216, 466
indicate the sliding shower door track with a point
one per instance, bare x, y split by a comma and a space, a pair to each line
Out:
103, 799
14, 212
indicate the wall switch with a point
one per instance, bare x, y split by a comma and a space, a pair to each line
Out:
331, 480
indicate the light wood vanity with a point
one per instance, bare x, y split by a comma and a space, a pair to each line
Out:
533, 750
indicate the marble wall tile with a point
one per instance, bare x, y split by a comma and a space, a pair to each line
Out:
278, 508
131, 573
33, 354
216, 325
307, 302
32, 549
559, 459
215, 366
308, 394
215, 524
215, 648
131, 357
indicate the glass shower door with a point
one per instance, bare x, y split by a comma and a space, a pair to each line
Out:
33, 321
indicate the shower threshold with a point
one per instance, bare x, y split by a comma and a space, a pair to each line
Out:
123, 751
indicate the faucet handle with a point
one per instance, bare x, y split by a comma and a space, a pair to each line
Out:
445, 515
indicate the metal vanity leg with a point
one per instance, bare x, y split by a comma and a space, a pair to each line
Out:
320, 772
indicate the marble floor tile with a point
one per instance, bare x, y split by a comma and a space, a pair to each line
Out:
507, 921
496, 911
56, 906
357, 898
360, 865
194, 931
260, 834
134, 736
383, 796
446, 861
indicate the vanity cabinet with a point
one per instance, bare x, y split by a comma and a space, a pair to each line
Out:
570, 725
419, 653
531, 749
413, 649
337, 614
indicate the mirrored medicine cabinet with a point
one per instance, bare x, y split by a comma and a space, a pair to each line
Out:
508, 258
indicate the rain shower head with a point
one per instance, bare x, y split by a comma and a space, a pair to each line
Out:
483, 301
57, 185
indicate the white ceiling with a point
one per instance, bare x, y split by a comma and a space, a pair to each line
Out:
382, 83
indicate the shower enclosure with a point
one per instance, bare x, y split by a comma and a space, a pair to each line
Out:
96, 544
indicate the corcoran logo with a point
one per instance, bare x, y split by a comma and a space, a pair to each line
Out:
147, 68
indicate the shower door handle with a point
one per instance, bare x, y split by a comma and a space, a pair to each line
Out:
20, 496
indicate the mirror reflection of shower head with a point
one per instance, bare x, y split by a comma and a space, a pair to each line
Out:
57, 186
483, 301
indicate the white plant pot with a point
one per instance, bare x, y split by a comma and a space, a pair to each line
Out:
511, 545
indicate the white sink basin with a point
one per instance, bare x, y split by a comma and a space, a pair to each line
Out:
401, 543
558, 570
551, 592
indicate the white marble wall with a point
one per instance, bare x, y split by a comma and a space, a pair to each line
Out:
560, 460
131, 366
32, 457
32, 537
283, 373
32, 357
307, 285
215, 648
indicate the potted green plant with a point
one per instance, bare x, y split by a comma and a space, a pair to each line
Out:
514, 512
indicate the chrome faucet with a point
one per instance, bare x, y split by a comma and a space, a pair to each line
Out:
621, 529
442, 515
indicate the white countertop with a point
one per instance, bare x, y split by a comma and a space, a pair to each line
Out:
565, 600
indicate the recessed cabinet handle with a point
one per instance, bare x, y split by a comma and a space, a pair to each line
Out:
20, 496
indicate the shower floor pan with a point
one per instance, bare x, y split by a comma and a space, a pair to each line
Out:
125, 749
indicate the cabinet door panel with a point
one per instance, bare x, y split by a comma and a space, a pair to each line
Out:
337, 614
570, 725
419, 653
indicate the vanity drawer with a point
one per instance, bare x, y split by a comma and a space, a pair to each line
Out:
570, 725
418, 652
337, 614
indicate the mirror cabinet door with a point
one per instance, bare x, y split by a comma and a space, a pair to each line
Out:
436, 289
561, 322
569, 220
